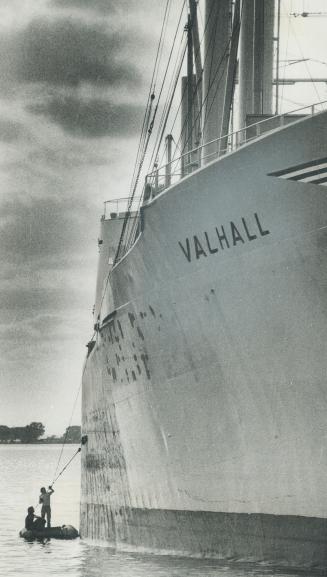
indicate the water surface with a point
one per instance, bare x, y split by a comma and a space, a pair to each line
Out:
26, 468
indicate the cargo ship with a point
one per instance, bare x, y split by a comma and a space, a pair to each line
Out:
205, 382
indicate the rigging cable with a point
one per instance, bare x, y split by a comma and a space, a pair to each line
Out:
213, 79
281, 98
140, 158
227, 48
206, 98
166, 120
168, 107
151, 94
198, 116
210, 70
122, 235
305, 61
170, 57
170, 95
164, 116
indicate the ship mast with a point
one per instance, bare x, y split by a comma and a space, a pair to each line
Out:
231, 76
191, 98
190, 128
216, 55
256, 59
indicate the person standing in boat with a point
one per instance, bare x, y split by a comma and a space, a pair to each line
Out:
32, 521
44, 500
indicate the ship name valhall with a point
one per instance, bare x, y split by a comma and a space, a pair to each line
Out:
223, 237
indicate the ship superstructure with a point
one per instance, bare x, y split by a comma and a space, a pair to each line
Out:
204, 388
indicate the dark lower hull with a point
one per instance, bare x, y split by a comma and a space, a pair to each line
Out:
288, 541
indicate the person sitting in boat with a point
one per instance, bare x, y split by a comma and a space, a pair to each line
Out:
32, 521
44, 500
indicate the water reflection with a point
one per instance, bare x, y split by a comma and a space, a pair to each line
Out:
104, 562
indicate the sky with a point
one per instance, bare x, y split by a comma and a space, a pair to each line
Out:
74, 78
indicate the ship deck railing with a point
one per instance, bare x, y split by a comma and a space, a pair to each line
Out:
166, 175
118, 207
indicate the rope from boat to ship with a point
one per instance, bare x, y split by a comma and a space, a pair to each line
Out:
67, 464
84, 440
70, 422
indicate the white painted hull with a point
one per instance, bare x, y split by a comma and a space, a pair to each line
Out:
206, 391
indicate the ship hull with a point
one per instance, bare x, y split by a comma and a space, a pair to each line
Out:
205, 395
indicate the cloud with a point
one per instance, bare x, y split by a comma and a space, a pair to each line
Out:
11, 131
103, 6
45, 260
69, 51
70, 72
80, 74
92, 117
39, 228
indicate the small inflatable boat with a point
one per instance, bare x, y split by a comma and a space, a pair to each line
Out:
63, 532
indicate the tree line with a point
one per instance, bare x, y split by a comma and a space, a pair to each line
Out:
31, 434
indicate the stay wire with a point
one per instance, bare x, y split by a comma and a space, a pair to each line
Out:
162, 38
171, 52
140, 165
123, 231
198, 116
151, 93
158, 141
132, 224
227, 48
160, 133
305, 61
211, 65
169, 107
170, 57
170, 95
